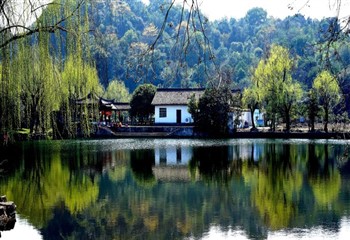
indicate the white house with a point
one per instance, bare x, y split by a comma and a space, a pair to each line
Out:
171, 105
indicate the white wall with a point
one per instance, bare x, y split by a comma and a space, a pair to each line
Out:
171, 114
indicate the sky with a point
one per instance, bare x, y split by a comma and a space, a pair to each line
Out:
319, 9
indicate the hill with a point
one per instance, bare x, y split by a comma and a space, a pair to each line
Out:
124, 30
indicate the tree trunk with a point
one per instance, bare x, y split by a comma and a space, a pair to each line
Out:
287, 115
326, 119
287, 121
312, 124
252, 116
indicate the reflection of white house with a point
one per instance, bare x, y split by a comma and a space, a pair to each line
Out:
171, 105
171, 163
175, 155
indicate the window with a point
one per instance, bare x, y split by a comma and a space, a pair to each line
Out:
162, 112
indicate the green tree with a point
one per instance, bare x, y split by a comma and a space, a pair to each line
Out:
312, 108
279, 92
117, 90
328, 92
141, 100
214, 108
193, 108
38, 76
292, 94
43, 75
78, 80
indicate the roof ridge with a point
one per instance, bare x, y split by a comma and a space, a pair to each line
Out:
179, 89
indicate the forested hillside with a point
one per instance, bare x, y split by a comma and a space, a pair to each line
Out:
124, 30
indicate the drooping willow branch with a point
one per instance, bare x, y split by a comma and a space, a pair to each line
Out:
5, 32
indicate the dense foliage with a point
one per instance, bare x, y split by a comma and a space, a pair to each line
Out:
43, 75
116, 45
123, 30
213, 110
328, 92
140, 102
278, 92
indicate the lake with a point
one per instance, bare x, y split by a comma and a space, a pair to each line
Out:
178, 189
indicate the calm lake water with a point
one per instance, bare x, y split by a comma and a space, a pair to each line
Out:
178, 189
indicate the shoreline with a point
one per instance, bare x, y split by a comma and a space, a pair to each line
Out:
178, 132
191, 132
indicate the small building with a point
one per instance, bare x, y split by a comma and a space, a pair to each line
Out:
108, 109
111, 111
171, 105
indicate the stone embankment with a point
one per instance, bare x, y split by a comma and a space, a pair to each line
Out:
7, 214
191, 132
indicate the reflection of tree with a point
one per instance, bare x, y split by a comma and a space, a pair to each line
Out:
324, 177
62, 224
43, 181
276, 184
118, 172
141, 163
271, 193
213, 164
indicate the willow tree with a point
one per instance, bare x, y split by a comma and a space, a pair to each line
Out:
38, 77
279, 92
9, 93
79, 79
328, 92
79, 76
46, 67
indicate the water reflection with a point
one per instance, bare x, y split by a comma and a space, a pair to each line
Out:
172, 155
161, 189
23, 230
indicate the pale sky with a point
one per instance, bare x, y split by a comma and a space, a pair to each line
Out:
218, 9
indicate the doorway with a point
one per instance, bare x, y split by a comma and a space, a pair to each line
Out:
178, 116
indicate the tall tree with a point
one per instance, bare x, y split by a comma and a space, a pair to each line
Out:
42, 75
279, 92
141, 100
214, 107
39, 77
313, 108
292, 93
328, 92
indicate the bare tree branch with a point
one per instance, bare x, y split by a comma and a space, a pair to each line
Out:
186, 38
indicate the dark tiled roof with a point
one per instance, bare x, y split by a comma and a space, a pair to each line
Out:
104, 104
176, 96
121, 106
